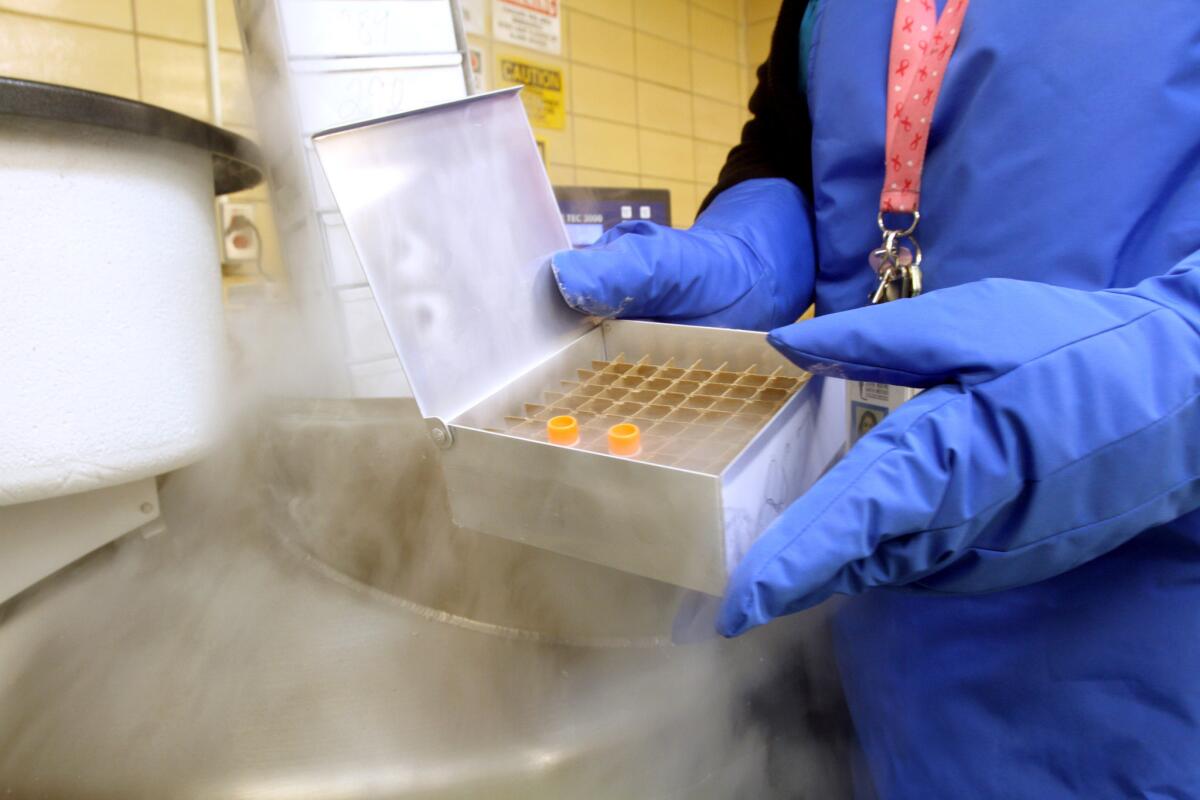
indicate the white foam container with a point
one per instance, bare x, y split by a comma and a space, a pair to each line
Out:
112, 342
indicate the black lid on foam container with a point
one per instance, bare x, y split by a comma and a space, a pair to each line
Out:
237, 161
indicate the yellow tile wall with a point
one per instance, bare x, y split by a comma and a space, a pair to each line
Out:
656, 92
656, 89
760, 24
148, 50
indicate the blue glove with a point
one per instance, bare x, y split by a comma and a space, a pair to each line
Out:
747, 262
1062, 423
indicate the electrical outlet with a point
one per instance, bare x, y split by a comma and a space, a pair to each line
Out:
239, 234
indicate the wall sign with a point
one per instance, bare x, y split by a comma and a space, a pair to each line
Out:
536, 24
475, 16
543, 95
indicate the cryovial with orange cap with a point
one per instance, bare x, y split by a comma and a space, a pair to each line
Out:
562, 430
625, 439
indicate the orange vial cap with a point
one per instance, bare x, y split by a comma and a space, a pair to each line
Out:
624, 439
563, 430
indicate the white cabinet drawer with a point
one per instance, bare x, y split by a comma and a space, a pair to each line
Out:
322, 194
319, 28
333, 92
379, 379
340, 258
366, 335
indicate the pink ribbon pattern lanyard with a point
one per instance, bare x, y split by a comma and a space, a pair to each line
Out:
921, 48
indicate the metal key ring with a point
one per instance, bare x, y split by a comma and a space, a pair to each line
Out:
916, 253
889, 242
916, 217
891, 245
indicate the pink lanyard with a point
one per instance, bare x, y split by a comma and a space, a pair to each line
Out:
921, 48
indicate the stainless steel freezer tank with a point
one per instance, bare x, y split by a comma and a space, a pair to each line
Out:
312, 625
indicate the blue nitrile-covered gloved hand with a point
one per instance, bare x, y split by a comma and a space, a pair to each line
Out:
1069, 422
747, 262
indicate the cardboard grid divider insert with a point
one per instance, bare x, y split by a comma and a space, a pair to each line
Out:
690, 417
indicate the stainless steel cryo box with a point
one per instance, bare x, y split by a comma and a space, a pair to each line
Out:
453, 218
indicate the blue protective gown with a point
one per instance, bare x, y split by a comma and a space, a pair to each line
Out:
1065, 150
1021, 542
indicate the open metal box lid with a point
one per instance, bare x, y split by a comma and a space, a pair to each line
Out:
453, 218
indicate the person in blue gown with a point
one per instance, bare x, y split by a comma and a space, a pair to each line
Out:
1020, 543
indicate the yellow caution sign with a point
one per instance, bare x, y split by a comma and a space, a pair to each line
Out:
543, 95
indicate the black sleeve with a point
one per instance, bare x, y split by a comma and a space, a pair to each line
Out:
776, 142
